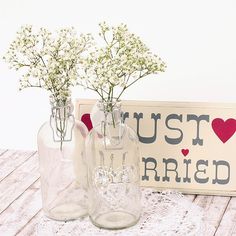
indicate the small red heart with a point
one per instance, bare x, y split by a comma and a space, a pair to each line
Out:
185, 152
224, 129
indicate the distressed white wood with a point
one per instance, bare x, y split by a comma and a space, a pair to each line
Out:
214, 207
20, 212
6, 153
11, 159
18, 181
20, 199
36, 184
2, 151
227, 225
31, 227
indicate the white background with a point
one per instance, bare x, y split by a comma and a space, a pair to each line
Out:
197, 39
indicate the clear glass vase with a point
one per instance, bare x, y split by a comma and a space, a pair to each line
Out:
113, 169
63, 171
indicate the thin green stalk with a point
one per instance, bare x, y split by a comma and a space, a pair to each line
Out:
127, 86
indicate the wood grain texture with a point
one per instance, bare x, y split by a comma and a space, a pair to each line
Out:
227, 225
18, 181
12, 159
20, 212
36, 184
31, 227
20, 199
214, 208
2, 151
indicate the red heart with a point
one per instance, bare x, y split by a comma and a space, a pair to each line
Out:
224, 129
185, 152
87, 121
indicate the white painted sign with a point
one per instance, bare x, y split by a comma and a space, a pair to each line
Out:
190, 147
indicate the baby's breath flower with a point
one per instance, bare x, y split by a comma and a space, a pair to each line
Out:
48, 60
124, 59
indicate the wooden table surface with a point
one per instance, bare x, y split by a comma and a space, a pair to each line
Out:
20, 199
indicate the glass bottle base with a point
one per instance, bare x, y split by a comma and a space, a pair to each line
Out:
115, 220
67, 211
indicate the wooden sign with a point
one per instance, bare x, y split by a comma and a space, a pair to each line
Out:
186, 146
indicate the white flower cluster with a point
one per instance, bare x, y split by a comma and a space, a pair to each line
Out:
46, 60
55, 61
111, 69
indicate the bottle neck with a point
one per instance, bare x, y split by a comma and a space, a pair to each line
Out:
111, 126
62, 120
61, 109
112, 112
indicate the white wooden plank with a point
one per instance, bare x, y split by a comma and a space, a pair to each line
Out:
40, 225
36, 184
11, 159
227, 226
8, 153
20, 212
5, 155
214, 207
18, 181
31, 227
2, 151
20, 202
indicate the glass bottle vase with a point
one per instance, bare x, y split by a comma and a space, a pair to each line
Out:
63, 171
113, 170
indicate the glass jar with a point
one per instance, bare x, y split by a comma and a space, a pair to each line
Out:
63, 171
113, 169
